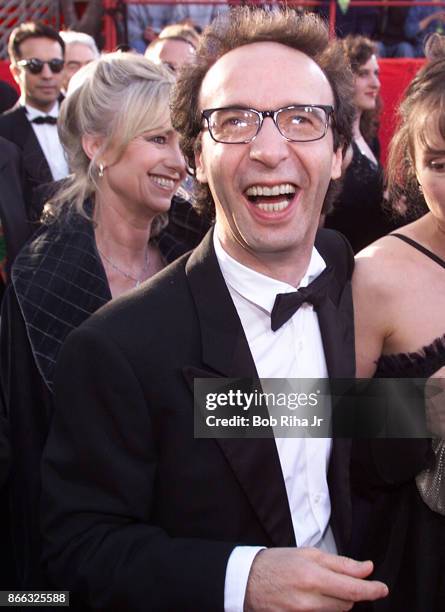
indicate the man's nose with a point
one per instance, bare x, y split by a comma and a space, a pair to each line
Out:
269, 147
46, 72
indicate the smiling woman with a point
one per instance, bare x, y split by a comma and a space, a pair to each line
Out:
105, 231
125, 161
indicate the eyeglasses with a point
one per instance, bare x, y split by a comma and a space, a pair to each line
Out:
35, 66
297, 123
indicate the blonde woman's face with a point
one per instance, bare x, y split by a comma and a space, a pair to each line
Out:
147, 175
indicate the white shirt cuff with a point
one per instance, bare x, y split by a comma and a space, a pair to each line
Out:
237, 574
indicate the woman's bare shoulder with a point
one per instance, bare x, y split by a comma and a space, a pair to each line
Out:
383, 265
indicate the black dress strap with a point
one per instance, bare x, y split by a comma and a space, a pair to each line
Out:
421, 248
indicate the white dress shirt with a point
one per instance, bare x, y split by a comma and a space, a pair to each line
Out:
49, 141
293, 351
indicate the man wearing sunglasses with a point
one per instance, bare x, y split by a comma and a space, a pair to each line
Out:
139, 514
36, 53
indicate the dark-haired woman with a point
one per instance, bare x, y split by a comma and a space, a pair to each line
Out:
399, 295
358, 212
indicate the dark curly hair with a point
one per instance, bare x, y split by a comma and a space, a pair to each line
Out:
241, 26
422, 107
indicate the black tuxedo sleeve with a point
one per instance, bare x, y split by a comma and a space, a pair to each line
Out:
102, 531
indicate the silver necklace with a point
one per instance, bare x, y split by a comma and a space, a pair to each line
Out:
135, 279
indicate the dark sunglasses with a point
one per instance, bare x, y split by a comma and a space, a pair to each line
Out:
35, 66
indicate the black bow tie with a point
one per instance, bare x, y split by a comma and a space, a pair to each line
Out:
45, 119
287, 304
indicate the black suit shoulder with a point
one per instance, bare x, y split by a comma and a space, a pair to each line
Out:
13, 123
8, 96
9, 153
336, 250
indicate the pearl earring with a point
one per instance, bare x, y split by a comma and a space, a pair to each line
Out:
101, 169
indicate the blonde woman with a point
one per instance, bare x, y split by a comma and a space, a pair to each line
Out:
104, 233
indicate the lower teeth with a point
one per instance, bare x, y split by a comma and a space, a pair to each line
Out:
278, 207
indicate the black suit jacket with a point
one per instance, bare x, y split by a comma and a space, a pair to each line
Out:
8, 96
137, 513
14, 126
12, 205
58, 281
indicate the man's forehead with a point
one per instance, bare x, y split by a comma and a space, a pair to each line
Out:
40, 45
174, 46
264, 70
78, 49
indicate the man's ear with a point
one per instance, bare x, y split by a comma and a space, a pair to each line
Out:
336, 167
91, 144
201, 175
15, 71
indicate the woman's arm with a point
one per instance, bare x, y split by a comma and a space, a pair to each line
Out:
371, 310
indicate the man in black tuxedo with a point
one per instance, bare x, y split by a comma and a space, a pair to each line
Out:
36, 54
137, 513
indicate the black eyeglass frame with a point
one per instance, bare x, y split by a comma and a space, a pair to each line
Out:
273, 114
35, 65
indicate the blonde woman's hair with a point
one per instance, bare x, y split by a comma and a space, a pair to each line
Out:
120, 96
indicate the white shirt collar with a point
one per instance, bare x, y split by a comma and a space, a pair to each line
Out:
32, 112
256, 287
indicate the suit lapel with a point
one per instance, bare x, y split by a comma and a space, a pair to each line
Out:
336, 320
225, 352
337, 332
34, 160
336, 315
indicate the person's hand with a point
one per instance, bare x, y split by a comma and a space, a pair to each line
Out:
435, 403
307, 579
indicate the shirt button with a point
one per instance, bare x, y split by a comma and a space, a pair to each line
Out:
317, 499
300, 345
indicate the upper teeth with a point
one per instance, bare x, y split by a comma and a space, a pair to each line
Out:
258, 190
163, 182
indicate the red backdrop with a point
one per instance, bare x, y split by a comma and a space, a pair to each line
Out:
395, 75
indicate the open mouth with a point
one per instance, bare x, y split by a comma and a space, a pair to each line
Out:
163, 182
271, 199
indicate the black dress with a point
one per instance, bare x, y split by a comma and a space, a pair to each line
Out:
358, 212
405, 539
